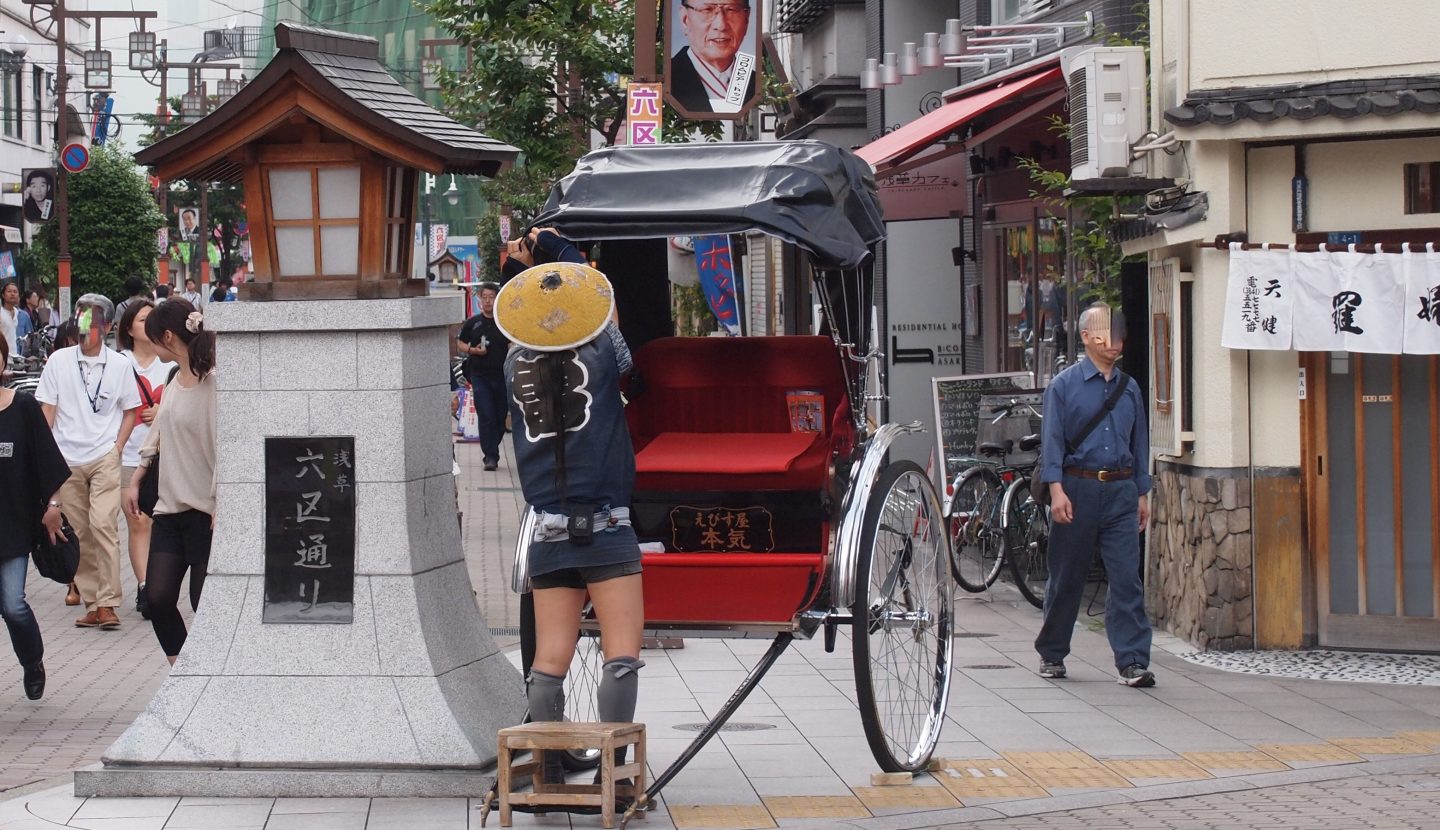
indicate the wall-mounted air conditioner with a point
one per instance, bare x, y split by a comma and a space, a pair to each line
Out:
1107, 108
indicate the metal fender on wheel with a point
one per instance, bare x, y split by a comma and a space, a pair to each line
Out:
903, 619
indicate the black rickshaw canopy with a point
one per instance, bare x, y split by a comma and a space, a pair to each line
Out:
815, 195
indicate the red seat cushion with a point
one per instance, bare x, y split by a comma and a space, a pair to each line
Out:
723, 453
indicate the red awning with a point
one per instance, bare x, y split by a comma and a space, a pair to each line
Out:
893, 148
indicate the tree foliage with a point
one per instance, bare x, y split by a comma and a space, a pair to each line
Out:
113, 220
544, 77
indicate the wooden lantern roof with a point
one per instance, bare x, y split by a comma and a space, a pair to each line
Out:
336, 80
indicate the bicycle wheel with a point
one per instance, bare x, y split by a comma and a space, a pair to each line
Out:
902, 635
1028, 531
976, 535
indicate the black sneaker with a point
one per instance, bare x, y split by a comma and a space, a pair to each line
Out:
1055, 670
491, 466
142, 603
35, 681
1136, 676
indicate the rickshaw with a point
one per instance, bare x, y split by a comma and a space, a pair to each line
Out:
762, 522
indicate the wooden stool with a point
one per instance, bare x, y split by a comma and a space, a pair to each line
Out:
562, 735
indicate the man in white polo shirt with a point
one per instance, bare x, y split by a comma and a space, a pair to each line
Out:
90, 398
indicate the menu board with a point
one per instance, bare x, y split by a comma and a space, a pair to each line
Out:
963, 407
309, 530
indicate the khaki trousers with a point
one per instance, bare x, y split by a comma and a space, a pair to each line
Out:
90, 499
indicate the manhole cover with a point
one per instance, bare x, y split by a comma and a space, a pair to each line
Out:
972, 634
737, 726
988, 666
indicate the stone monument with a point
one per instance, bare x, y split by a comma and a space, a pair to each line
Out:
338, 650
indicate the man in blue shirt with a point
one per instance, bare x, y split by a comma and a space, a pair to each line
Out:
1098, 501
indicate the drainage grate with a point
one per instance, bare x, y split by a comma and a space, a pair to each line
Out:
972, 634
735, 726
504, 632
988, 666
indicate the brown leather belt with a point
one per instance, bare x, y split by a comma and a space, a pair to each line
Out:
1100, 475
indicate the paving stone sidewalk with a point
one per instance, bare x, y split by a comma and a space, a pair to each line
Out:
1014, 744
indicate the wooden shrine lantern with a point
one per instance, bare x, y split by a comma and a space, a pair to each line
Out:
328, 147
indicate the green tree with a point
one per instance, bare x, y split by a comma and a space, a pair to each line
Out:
543, 77
113, 220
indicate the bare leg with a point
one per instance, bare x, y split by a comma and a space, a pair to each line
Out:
557, 624
139, 533
620, 605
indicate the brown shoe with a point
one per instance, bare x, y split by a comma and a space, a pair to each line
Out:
73, 596
108, 620
90, 620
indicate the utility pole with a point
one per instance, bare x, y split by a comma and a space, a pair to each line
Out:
60, 15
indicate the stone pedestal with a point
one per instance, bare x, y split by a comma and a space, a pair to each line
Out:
406, 699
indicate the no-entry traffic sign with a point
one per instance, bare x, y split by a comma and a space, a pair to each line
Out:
75, 157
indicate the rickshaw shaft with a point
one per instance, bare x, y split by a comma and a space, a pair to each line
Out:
782, 642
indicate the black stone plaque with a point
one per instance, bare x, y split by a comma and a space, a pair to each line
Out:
310, 530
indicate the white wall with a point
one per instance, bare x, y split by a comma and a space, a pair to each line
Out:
923, 311
835, 46
1261, 42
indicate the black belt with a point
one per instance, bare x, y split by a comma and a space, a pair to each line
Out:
1100, 475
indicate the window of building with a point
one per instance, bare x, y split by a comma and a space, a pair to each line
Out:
1010, 11
1422, 187
37, 104
14, 100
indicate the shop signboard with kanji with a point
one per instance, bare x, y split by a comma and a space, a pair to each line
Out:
309, 530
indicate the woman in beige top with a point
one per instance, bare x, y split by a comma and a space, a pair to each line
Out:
184, 432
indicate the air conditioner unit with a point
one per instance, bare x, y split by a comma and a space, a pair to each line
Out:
1107, 108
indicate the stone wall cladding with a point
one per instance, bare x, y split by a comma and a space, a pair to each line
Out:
1199, 569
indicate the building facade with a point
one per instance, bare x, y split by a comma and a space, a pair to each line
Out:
1295, 489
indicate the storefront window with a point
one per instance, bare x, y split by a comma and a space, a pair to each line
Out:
1032, 273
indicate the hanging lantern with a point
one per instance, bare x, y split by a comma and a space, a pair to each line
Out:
430, 72
192, 105
225, 89
142, 51
97, 69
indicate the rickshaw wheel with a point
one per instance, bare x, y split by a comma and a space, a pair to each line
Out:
582, 682
903, 619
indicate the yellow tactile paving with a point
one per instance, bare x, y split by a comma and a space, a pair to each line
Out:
888, 798
1233, 760
816, 806
1066, 770
1052, 760
1309, 752
971, 779
1381, 746
1430, 737
727, 816
1173, 769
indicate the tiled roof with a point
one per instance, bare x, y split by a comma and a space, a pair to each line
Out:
345, 70
1340, 99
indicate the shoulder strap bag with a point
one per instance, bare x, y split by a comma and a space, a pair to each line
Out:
1041, 491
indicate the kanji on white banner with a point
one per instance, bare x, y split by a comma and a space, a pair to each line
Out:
1422, 301
1348, 301
1259, 300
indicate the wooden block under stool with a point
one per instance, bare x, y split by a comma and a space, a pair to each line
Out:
890, 779
563, 735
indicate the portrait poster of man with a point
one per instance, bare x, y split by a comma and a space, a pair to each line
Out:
38, 186
187, 220
712, 49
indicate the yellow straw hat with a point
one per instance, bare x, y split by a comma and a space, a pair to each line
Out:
556, 306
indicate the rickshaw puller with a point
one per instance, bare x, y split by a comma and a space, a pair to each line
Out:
577, 470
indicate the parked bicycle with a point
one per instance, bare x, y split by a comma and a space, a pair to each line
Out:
979, 506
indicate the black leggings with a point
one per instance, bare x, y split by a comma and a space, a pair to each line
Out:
177, 542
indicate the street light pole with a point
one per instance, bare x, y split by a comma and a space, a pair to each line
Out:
60, 15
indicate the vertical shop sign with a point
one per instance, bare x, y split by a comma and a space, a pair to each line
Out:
642, 113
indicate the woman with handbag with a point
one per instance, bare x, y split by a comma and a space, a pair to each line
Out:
184, 432
31, 472
151, 374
